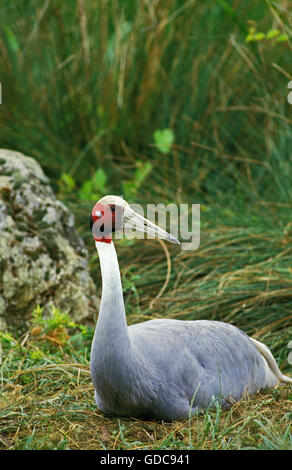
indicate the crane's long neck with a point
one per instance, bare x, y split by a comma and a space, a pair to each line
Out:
111, 329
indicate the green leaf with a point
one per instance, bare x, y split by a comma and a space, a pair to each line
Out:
129, 189
68, 181
254, 36
100, 179
86, 191
258, 36
93, 188
142, 172
282, 38
7, 337
272, 33
163, 139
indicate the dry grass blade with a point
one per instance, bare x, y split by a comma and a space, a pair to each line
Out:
167, 275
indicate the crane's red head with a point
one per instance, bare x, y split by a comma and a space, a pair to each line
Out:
102, 222
106, 218
112, 213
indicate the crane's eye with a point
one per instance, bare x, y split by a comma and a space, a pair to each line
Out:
113, 208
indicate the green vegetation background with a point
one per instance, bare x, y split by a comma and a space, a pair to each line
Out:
166, 101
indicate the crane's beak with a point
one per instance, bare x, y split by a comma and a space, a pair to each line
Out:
132, 220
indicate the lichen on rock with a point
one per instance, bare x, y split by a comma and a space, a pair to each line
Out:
43, 260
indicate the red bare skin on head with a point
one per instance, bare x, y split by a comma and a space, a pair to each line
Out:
102, 221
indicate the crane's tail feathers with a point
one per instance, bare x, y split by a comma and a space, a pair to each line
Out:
273, 366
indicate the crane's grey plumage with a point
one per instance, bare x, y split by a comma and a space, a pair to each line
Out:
165, 369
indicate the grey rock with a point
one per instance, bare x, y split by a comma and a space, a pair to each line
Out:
43, 260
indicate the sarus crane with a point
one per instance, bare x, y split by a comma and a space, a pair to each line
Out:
164, 369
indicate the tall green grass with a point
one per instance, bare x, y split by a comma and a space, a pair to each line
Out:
86, 84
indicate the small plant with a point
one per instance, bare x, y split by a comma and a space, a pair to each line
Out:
53, 329
7, 338
163, 139
67, 184
95, 187
55, 319
91, 189
272, 35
